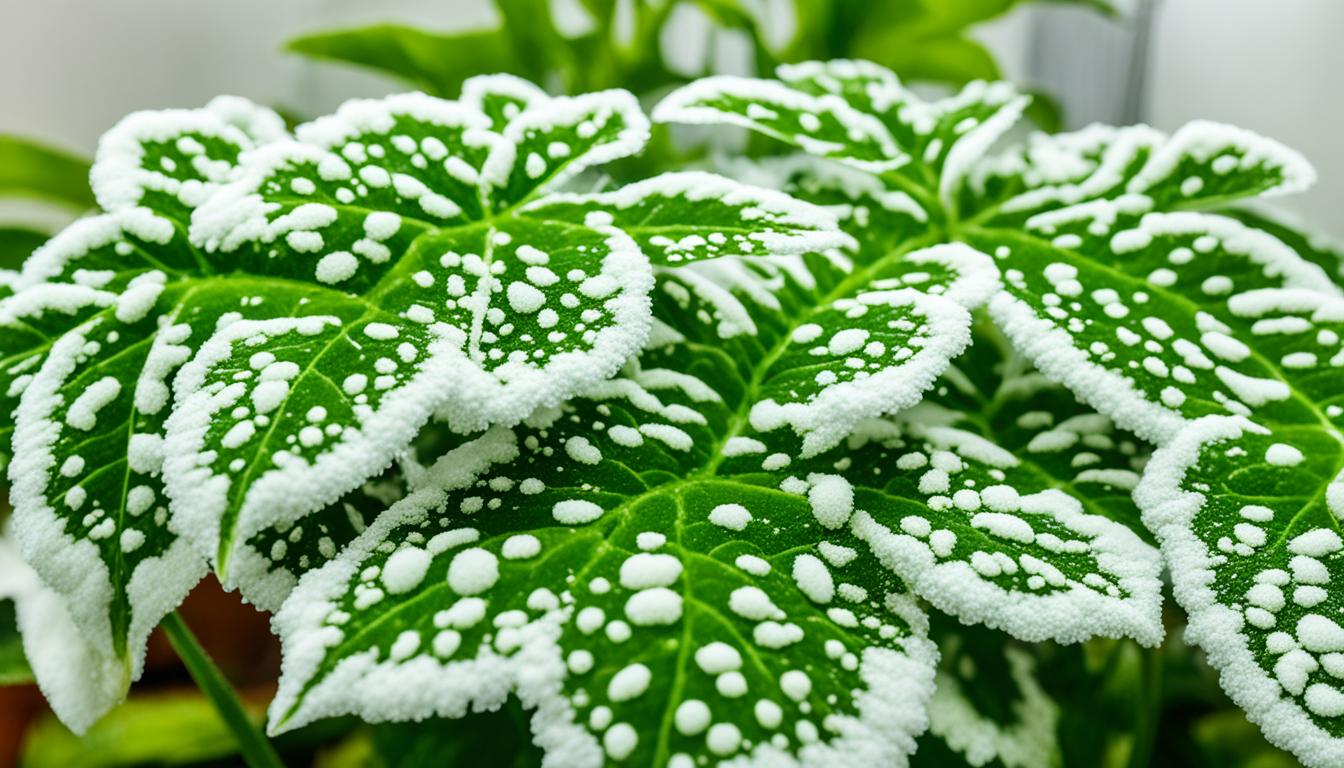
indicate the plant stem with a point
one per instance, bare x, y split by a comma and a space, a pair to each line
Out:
1150, 700
257, 751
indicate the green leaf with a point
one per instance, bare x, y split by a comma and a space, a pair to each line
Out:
1117, 284
989, 705
437, 63
207, 376
16, 244
720, 595
857, 112
31, 169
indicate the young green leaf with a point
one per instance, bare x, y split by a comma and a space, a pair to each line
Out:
720, 594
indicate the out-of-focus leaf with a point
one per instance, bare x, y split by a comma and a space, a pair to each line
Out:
30, 169
497, 739
17, 243
1229, 739
1046, 112
169, 729
13, 665
949, 59
436, 63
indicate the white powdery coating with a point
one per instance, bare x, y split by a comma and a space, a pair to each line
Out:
473, 571
786, 225
686, 105
832, 500
1169, 511
73, 568
119, 178
1067, 616
83, 413
830, 415
405, 569
569, 111
576, 511
734, 517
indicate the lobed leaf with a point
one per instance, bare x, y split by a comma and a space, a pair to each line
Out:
1248, 518
208, 375
709, 564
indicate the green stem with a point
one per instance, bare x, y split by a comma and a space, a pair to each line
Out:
1150, 700
257, 751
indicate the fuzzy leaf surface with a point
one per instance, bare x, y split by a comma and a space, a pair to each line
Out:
722, 593
1124, 282
208, 374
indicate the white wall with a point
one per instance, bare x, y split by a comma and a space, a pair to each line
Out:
70, 68
1273, 66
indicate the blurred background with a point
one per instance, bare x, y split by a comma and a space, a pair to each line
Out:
69, 69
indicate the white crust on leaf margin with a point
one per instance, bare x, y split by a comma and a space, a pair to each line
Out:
476, 89
833, 413
79, 681
820, 228
361, 685
1169, 511
360, 116
1202, 139
1051, 350
119, 178
680, 107
71, 565
565, 110
954, 586
977, 275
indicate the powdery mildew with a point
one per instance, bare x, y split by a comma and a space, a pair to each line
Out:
1255, 574
708, 567
79, 682
298, 341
